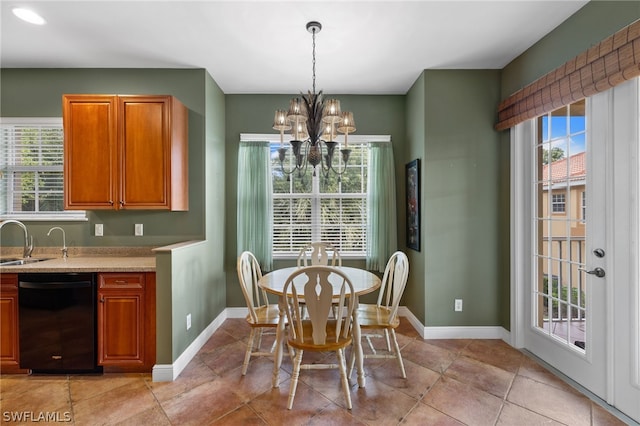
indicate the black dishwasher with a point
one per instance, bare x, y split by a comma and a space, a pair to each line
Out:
57, 321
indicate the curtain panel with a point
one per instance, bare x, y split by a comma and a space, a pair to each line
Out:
614, 60
382, 232
255, 206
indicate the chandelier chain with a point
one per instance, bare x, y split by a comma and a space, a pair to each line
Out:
313, 34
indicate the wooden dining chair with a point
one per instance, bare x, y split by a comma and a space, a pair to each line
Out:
384, 314
318, 332
262, 315
319, 253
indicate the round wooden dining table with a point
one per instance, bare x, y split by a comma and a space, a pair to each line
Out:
363, 282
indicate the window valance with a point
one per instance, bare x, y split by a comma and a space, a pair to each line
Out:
603, 66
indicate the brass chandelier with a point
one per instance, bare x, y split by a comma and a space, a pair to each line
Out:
313, 122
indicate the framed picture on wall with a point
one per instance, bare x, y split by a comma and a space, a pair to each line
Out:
412, 174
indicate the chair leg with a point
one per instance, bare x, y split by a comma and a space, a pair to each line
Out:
247, 354
386, 336
294, 377
259, 344
352, 361
343, 377
396, 348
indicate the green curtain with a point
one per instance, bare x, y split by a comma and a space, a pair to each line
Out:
255, 207
382, 232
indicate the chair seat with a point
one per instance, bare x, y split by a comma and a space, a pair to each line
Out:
331, 344
268, 316
374, 316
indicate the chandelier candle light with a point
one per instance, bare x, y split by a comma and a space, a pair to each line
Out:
313, 122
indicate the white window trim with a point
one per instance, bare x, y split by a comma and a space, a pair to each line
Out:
66, 216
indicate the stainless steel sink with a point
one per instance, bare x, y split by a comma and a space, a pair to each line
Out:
16, 261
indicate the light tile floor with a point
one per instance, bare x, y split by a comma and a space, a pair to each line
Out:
450, 382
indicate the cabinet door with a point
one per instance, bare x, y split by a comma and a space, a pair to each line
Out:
145, 151
90, 156
121, 319
9, 353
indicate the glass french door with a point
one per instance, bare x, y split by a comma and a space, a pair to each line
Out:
568, 234
576, 221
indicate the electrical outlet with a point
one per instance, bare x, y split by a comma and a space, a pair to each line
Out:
457, 306
99, 229
139, 232
188, 321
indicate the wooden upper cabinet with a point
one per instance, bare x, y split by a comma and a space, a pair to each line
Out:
125, 152
90, 151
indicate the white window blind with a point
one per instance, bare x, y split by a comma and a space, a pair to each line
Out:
31, 169
314, 208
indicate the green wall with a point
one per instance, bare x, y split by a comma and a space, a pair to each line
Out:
197, 272
414, 297
189, 280
374, 115
461, 254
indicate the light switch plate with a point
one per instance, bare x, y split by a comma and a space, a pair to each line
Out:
99, 229
139, 232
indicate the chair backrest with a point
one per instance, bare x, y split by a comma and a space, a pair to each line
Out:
394, 281
319, 287
249, 273
319, 253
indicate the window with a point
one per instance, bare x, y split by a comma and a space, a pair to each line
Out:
314, 208
584, 206
557, 203
31, 169
559, 233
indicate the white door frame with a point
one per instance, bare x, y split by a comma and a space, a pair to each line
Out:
623, 347
625, 295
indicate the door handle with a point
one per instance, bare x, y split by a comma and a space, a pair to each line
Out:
598, 272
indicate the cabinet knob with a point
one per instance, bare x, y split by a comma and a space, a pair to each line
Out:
121, 203
102, 299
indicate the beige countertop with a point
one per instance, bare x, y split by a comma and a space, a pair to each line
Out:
87, 264
107, 259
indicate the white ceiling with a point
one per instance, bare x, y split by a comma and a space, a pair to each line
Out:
365, 47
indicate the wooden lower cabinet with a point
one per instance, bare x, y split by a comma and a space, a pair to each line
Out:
126, 321
9, 342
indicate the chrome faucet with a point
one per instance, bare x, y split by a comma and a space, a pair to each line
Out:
64, 240
28, 243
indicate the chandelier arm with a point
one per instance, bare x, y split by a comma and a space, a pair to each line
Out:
344, 156
302, 167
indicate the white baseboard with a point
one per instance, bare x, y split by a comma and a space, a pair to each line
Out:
169, 372
454, 332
